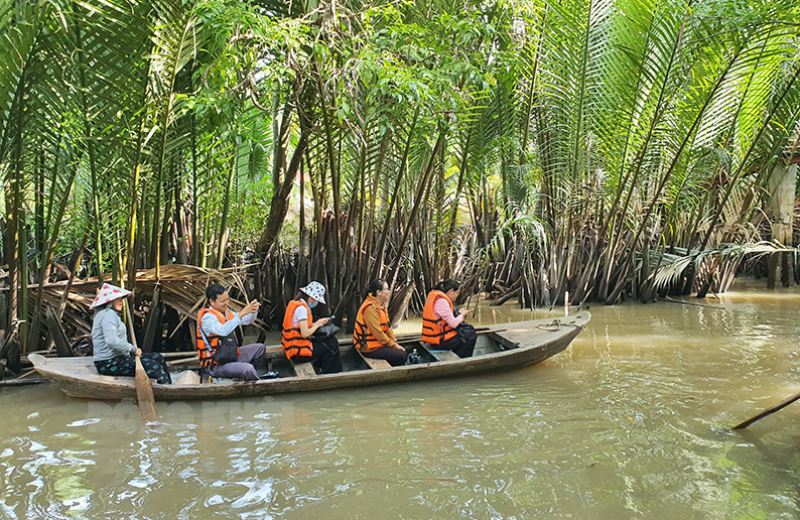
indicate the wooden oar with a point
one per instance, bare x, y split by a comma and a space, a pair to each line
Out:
768, 411
144, 389
672, 300
21, 382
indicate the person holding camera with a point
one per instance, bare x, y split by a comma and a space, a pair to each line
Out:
218, 348
441, 328
306, 341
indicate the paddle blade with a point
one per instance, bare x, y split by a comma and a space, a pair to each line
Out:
144, 395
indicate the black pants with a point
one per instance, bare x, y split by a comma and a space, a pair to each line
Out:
458, 346
326, 355
393, 356
153, 364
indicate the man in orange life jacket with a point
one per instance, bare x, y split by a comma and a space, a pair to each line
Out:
216, 323
439, 322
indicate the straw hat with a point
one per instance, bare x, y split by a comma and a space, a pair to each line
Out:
107, 294
316, 290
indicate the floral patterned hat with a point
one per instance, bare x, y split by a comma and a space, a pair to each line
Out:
107, 294
316, 290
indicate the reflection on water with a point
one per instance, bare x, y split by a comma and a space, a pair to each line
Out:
630, 422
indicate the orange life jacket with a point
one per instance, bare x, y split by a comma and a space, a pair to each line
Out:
206, 353
294, 344
362, 337
436, 330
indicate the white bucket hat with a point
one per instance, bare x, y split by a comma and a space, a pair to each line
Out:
315, 290
107, 294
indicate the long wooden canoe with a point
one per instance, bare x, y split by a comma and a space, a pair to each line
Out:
500, 348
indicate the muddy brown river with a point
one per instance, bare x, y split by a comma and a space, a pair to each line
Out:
632, 421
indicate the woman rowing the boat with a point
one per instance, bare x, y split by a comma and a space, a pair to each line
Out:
373, 335
441, 328
113, 355
300, 339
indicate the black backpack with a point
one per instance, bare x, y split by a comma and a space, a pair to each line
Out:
466, 332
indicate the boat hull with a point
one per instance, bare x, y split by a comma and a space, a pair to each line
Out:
527, 344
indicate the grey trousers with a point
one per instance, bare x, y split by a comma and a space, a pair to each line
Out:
251, 357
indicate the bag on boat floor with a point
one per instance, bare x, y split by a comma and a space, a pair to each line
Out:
187, 377
414, 358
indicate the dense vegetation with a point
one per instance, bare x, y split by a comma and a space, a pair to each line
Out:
533, 148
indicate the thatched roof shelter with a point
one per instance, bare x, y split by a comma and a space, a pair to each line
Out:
181, 287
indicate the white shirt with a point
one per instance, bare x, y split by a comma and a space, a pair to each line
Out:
211, 324
300, 314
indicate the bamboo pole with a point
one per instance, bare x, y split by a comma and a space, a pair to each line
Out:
226, 205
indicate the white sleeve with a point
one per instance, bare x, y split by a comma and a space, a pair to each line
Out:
249, 319
300, 314
211, 325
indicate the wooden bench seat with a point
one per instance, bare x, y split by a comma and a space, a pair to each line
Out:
304, 369
441, 355
374, 364
445, 355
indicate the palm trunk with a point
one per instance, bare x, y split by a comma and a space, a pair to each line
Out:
335, 178
47, 257
15, 217
166, 115
195, 199
280, 200
376, 269
226, 206
97, 218
663, 181
424, 183
131, 246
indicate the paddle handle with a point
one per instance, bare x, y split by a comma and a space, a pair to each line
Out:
769, 411
129, 319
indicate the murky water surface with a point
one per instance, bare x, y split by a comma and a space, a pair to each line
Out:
630, 422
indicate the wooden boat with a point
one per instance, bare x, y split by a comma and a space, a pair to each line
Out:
499, 348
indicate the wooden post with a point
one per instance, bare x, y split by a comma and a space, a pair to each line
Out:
782, 186
152, 326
